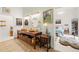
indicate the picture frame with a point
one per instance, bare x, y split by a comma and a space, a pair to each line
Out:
2, 23
58, 21
47, 16
18, 21
26, 22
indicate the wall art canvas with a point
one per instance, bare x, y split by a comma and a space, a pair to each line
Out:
19, 21
47, 16
58, 21
2, 23
26, 22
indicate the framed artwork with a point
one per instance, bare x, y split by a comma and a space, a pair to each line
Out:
2, 23
58, 21
47, 16
26, 22
19, 21
34, 21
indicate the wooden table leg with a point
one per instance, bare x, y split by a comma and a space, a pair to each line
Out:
47, 47
34, 46
34, 43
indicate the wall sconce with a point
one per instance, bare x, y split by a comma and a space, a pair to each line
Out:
45, 24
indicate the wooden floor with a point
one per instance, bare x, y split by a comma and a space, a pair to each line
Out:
16, 45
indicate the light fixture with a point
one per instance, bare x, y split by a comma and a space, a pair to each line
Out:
45, 24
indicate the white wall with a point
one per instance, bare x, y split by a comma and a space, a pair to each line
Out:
66, 15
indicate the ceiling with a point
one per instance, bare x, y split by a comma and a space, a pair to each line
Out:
32, 10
